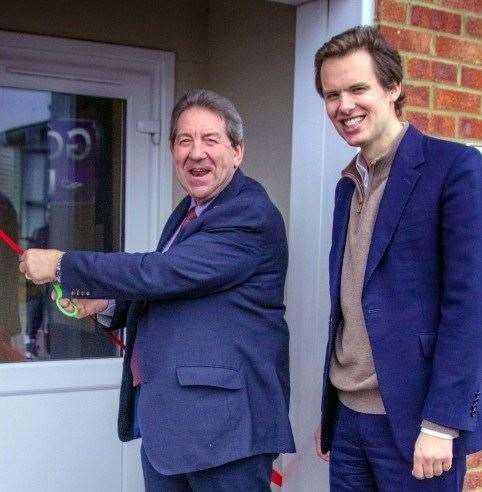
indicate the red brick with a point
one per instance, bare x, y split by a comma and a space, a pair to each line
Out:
472, 77
432, 124
443, 125
406, 39
466, 51
471, 128
456, 101
388, 10
473, 480
416, 95
420, 120
473, 27
474, 5
474, 460
431, 70
437, 20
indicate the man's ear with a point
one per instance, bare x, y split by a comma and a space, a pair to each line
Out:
395, 92
238, 154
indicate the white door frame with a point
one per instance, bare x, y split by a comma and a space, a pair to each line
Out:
145, 79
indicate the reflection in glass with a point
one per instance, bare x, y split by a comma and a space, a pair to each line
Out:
61, 161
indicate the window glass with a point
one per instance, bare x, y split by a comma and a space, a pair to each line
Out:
61, 186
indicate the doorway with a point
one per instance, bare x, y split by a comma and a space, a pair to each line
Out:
84, 164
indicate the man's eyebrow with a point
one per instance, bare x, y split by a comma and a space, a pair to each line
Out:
211, 134
358, 84
353, 86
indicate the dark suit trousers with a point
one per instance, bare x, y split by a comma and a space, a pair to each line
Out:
364, 458
253, 474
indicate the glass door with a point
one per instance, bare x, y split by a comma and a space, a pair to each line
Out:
61, 186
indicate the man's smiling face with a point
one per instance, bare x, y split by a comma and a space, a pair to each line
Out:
360, 108
204, 157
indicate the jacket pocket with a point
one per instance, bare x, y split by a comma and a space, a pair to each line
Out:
427, 342
219, 377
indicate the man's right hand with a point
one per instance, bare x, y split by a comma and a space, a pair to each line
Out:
86, 307
321, 455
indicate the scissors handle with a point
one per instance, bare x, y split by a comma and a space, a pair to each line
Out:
59, 295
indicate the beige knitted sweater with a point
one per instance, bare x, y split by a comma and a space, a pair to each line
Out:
352, 369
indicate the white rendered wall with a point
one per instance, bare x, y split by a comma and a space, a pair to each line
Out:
318, 155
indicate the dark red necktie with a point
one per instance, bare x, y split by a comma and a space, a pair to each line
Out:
135, 367
188, 218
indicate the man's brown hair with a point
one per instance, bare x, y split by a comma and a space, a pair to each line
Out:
386, 59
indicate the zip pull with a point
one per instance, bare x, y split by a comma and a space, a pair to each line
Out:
360, 205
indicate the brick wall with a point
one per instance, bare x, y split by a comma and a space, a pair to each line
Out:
441, 45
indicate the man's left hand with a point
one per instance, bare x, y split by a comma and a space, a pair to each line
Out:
39, 265
432, 456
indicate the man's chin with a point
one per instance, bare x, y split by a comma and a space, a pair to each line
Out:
200, 195
355, 140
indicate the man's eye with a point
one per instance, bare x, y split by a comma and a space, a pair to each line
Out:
359, 90
331, 97
211, 141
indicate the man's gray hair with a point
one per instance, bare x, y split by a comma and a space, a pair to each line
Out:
202, 98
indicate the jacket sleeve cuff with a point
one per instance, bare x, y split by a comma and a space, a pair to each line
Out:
437, 430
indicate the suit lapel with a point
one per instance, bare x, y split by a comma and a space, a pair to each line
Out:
400, 184
340, 227
173, 222
232, 190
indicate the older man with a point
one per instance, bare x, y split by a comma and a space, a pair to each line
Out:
206, 378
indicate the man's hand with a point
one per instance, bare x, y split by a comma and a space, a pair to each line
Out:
321, 455
85, 307
39, 265
432, 456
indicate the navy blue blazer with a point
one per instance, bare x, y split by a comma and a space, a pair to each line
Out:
209, 318
422, 293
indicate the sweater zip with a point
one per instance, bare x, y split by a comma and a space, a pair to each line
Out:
359, 189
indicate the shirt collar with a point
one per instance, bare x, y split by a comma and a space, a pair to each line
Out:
199, 207
362, 169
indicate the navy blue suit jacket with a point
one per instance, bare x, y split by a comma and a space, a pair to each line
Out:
422, 294
209, 318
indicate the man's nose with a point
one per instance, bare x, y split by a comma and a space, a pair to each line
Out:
197, 151
347, 104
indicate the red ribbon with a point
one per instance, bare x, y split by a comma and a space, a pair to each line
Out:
115, 340
276, 478
10, 243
